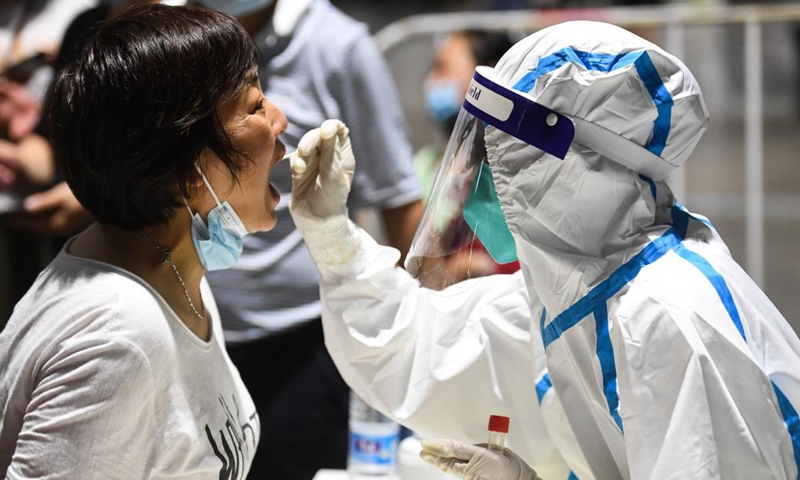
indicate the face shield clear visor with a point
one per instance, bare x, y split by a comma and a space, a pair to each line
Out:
463, 233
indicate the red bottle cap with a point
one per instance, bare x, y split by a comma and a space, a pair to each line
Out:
498, 423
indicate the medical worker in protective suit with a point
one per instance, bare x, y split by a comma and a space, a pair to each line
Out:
650, 354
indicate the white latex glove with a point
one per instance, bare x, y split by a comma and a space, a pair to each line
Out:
322, 172
475, 462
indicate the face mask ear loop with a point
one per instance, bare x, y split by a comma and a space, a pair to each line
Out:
240, 225
208, 185
186, 202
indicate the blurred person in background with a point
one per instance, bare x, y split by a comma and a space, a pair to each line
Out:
445, 86
113, 365
25, 158
454, 62
30, 35
40, 211
317, 63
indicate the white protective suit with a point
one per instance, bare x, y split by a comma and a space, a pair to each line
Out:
668, 360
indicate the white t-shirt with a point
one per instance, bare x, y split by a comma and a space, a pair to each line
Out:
99, 379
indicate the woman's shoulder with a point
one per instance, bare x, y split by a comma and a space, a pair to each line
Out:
99, 285
75, 299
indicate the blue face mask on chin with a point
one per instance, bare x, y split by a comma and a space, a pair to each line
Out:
218, 244
443, 99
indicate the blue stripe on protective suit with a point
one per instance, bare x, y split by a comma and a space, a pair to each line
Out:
605, 353
595, 303
787, 410
652, 184
792, 423
606, 63
717, 281
686, 214
610, 286
543, 386
544, 317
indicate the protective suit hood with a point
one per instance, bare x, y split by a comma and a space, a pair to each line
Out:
578, 219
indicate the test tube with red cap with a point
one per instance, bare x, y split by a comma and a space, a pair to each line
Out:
498, 428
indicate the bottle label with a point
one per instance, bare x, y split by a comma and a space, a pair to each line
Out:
377, 450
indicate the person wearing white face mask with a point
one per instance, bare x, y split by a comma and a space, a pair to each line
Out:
666, 359
113, 364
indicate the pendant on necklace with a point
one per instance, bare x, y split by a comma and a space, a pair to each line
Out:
166, 256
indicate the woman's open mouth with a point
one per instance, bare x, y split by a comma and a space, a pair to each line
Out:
274, 194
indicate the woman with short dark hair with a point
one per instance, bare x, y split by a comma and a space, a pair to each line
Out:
112, 365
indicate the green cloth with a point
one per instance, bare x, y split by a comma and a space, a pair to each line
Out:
485, 217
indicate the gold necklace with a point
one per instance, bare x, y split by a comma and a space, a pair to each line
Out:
166, 257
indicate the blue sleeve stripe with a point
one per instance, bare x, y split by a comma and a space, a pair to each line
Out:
606, 63
608, 368
543, 319
717, 281
653, 189
792, 423
543, 386
610, 286
787, 410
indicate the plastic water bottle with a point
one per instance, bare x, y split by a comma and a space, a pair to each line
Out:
373, 442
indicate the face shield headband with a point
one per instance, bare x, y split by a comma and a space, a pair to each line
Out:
462, 217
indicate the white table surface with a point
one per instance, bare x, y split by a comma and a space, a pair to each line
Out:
342, 475
331, 475
337, 475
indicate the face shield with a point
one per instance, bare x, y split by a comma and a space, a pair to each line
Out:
463, 225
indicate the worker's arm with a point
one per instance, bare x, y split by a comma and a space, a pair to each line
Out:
416, 353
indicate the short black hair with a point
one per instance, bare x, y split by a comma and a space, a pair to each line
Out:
130, 117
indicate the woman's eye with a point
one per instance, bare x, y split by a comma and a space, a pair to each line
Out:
259, 106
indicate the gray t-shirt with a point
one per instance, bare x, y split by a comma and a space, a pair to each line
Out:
99, 379
329, 67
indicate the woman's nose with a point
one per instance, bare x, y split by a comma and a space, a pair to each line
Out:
280, 122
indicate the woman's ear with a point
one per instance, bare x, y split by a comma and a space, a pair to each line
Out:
193, 181
194, 195
204, 161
